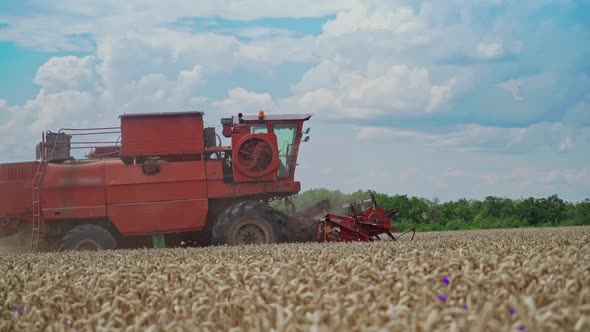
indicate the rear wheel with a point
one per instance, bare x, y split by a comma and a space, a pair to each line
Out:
248, 223
88, 237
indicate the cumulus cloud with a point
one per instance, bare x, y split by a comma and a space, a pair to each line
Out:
67, 73
364, 19
332, 88
56, 109
241, 100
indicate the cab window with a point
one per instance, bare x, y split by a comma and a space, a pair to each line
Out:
286, 133
258, 128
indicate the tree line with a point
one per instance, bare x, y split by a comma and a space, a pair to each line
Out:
432, 215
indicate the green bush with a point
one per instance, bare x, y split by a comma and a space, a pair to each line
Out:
455, 225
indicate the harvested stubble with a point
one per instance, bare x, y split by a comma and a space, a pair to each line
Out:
541, 276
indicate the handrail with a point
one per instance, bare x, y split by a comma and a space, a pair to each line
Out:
48, 150
82, 129
104, 132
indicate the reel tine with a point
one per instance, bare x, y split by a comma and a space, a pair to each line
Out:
413, 229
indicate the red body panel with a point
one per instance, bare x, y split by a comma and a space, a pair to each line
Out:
175, 199
159, 217
73, 191
218, 189
157, 134
15, 195
15, 187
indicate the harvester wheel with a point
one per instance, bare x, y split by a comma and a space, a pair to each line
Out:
248, 223
88, 237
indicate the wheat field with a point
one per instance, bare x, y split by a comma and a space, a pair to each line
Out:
495, 280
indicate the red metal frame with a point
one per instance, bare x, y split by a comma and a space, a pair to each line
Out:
366, 225
162, 134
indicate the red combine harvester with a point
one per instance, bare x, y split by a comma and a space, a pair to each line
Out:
167, 180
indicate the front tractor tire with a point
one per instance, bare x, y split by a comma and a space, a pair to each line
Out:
248, 222
88, 237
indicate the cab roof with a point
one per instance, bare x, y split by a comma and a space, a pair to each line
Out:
275, 117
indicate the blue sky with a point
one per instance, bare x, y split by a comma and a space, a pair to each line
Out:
451, 99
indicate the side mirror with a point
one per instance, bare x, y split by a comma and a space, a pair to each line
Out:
306, 131
306, 139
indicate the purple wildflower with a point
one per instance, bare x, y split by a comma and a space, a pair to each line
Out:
442, 298
465, 307
445, 280
18, 308
521, 328
512, 312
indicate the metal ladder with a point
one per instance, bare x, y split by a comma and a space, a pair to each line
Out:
37, 209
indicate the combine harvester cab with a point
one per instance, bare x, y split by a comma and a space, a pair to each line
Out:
159, 179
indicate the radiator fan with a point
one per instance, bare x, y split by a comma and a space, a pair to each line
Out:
255, 155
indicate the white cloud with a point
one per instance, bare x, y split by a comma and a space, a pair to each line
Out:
67, 73
544, 136
54, 110
566, 145
441, 97
71, 96
241, 100
110, 18
134, 55
366, 19
334, 88
513, 87
523, 178
490, 50
521, 86
578, 177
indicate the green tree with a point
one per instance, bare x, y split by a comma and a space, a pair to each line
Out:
463, 210
582, 214
556, 210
